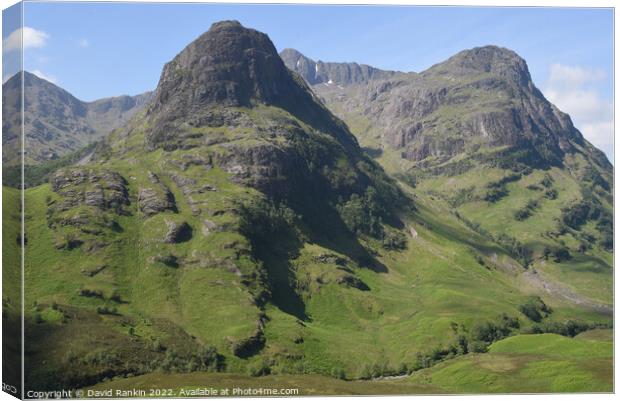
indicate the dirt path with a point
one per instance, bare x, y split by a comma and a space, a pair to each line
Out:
536, 280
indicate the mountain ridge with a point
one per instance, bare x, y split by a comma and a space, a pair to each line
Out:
415, 96
56, 122
238, 224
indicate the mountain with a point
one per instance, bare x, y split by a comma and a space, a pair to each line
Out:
236, 228
475, 133
55, 122
491, 90
331, 73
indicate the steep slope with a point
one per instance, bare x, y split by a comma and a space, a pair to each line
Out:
331, 73
475, 132
236, 225
57, 123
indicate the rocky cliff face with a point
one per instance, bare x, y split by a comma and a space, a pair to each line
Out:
318, 72
56, 122
479, 98
230, 67
230, 94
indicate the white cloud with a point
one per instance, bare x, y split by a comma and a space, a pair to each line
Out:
46, 77
575, 76
601, 135
83, 43
32, 38
572, 90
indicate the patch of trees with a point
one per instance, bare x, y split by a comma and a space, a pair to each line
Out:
204, 359
547, 181
462, 196
497, 189
261, 220
495, 194
362, 213
592, 176
569, 328
483, 334
551, 194
559, 254
587, 209
527, 210
515, 248
394, 240
535, 309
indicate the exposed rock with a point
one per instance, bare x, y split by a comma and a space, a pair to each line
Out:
331, 73
177, 232
229, 65
102, 189
153, 177
331, 259
55, 122
480, 98
152, 201
208, 227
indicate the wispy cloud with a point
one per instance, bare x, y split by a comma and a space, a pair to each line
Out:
46, 77
83, 43
32, 38
571, 89
574, 76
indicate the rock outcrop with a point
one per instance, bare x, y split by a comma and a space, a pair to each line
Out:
318, 72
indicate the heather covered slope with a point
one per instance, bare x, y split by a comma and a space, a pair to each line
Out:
235, 225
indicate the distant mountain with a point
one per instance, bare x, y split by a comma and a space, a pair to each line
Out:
474, 133
57, 123
318, 72
482, 97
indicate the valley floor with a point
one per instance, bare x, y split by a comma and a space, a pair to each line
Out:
540, 363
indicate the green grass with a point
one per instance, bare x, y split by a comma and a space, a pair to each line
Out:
307, 385
527, 364
447, 280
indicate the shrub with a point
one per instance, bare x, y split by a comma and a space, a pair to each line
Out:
394, 240
547, 181
535, 309
569, 328
495, 194
551, 194
362, 214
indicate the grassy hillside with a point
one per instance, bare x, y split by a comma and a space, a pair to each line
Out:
519, 364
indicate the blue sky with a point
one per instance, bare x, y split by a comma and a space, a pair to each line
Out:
97, 50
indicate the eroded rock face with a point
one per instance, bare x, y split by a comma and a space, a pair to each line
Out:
331, 73
229, 66
100, 188
177, 232
479, 98
157, 198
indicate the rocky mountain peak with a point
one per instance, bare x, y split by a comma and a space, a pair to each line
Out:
230, 66
495, 60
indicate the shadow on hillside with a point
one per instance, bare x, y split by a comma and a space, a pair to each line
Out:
275, 257
466, 236
326, 229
